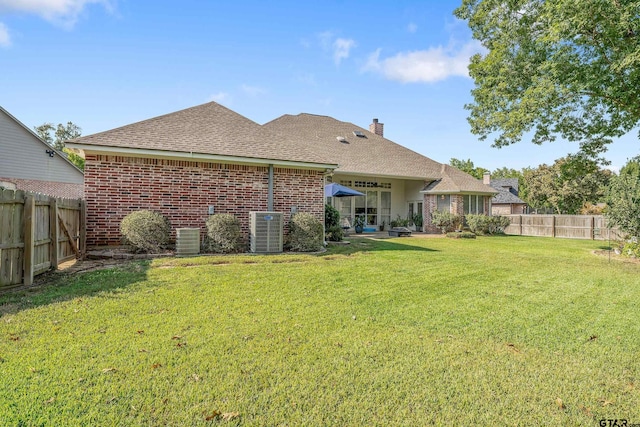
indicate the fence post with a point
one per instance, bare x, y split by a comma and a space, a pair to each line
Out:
553, 226
53, 229
83, 229
520, 217
29, 238
593, 227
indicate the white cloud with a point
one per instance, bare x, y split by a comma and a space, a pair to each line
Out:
338, 47
252, 90
219, 97
412, 27
424, 66
341, 49
5, 39
64, 13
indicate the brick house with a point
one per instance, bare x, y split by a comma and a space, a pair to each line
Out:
507, 200
184, 163
30, 164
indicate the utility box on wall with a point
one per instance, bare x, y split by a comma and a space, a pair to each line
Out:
265, 232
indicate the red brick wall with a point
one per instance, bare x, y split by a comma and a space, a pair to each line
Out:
430, 205
183, 190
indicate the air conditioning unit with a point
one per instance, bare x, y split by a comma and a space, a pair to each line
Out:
265, 231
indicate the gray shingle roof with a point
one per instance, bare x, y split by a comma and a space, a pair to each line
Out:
205, 129
453, 180
507, 191
372, 155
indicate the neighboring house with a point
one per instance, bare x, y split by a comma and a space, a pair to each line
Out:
506, 202
30, 164
207, 157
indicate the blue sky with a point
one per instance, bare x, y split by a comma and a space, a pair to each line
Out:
107, 63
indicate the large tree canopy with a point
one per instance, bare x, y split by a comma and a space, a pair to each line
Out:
568, 68
468, 167
624, 198
567, 185
62, 133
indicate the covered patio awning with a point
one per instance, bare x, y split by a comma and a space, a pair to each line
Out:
337, 190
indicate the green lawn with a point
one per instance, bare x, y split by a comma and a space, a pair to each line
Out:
499, 330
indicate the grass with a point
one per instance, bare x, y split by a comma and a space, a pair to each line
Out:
500, 330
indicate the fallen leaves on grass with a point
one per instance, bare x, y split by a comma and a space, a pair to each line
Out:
156, 366
195, 377
560, 403
50, 401
213, 416
586, 410
226, 416
107, 370
513, 347
605, 402
176, 337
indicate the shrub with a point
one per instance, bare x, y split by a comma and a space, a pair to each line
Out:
223, 234
145, 231
305, 233
483, 224
331, 217
445, 220
334, 233
498, 223
399, 222
463, 235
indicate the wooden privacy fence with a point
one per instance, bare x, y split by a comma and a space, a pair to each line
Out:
37, 232
590, 227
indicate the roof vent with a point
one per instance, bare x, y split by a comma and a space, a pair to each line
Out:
359, 134
342, 139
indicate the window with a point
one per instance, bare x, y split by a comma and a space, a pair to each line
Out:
372, 207
444, 203
473, 204
372, 184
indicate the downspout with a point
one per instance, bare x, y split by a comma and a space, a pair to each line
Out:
270, 191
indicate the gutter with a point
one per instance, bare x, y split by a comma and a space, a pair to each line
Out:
181, 155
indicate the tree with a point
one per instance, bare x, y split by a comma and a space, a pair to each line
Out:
505, 172
567, 68
61, 133
566, 185
623, 199
468, 167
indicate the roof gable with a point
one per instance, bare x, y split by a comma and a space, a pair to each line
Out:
32, 138
453, 180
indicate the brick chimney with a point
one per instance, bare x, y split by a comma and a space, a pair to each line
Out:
377, 128
486, 178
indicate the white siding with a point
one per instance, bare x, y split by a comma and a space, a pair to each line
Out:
24, 156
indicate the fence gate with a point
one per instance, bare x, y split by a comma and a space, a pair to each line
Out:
37, 232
